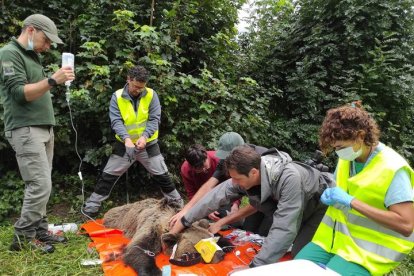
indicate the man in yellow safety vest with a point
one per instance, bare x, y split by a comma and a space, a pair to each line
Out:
135, 114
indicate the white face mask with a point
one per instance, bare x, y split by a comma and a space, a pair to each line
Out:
30, 45
348, 153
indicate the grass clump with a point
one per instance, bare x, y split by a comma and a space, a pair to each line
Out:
66, 260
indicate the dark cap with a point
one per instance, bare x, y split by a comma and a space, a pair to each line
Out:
227, 142
44, 24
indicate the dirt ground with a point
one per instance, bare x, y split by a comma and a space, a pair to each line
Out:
60, 210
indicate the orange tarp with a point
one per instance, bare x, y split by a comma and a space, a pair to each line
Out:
108, 242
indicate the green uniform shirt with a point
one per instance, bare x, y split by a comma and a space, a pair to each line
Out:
18, 67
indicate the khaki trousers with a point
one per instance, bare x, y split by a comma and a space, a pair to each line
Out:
33, 146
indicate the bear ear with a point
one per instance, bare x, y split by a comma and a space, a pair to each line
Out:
168, 240
203, 223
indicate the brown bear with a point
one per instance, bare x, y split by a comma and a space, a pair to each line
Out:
145, 222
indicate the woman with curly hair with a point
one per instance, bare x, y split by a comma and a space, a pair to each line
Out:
368, 226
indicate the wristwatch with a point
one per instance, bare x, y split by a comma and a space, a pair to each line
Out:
51, 82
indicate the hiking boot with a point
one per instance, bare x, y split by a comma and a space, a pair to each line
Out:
50, 238
90, 215
179, 202
174, 199
19, 243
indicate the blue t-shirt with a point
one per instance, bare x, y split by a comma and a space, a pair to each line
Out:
400, 189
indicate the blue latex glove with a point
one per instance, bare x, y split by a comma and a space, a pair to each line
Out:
337, 197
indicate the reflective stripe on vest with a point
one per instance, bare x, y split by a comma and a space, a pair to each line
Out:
135, 122
353, 236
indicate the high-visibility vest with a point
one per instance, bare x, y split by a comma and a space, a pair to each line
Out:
355, 237
135, 123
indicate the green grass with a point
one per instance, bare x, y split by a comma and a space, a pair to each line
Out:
66, 260
406, 268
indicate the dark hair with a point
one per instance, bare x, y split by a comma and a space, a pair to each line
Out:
243, 159
196, 155
346, 123
138, 73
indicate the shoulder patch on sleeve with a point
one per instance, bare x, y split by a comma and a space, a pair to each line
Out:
8, 68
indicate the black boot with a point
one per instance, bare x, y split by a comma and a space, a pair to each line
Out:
20, 243
50, 238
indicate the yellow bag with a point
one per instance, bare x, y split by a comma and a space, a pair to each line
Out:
209, 250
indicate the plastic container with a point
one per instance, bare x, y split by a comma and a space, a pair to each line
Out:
68, 59
65, 227
89, 262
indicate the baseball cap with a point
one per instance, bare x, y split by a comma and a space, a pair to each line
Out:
227, 142
45, 24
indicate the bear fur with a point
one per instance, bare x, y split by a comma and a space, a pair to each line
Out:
145, 222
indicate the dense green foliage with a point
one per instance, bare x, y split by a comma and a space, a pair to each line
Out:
314, 55
272, 84
11, 194
187, 51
